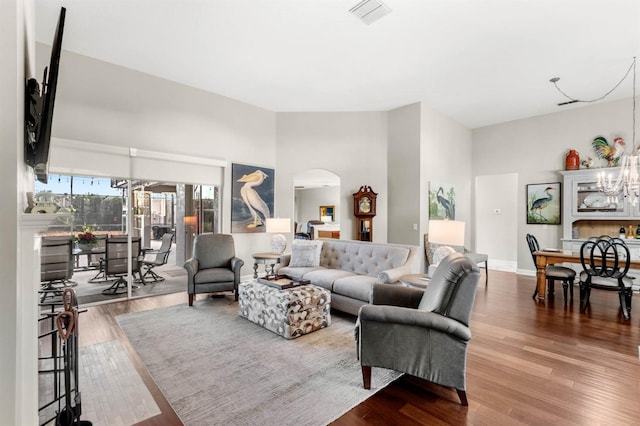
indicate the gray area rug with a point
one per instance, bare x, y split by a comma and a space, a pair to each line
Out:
216, 368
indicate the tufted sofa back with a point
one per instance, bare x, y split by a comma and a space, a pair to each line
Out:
362, 257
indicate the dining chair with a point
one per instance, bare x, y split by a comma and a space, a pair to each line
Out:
606, 261
553, 272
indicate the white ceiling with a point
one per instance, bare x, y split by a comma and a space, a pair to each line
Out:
479, 62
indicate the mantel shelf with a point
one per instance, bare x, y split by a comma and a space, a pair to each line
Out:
40, 221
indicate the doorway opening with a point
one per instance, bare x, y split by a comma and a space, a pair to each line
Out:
317, 204
100, 206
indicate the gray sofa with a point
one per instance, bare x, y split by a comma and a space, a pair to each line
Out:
349, 269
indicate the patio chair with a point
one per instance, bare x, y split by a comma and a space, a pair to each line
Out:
161, 257
56, 265
97, 262
116, 263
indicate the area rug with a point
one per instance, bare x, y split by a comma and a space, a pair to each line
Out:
216, 368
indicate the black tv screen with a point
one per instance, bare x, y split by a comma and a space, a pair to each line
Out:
39, 109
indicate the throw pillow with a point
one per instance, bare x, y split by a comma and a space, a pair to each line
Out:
305, 253
440, 253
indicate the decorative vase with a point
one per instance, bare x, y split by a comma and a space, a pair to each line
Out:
572, 162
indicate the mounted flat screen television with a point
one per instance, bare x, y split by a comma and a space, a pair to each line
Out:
39, 109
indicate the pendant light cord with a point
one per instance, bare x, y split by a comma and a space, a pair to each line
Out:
626, 74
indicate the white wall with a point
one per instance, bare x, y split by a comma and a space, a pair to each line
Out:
535, 149
102, 103
445, 156
403, 157
12, 71
350, 144
496, 210
18, 60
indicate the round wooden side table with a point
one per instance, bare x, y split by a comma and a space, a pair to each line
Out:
268, 259
415, 280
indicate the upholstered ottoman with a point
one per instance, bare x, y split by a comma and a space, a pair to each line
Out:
289, 313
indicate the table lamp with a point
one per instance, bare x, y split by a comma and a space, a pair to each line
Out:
446, 233
277, 226
326, 219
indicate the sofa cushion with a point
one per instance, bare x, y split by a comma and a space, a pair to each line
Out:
297, 273
305, 253
326, 277
356, 287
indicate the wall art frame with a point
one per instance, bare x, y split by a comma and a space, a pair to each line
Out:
252, 198
442, 201
544, 203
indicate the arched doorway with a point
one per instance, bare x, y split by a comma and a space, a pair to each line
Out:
317, 198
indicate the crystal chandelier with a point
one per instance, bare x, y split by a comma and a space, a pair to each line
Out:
627, 182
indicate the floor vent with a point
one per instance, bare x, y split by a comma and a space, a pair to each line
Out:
369, 11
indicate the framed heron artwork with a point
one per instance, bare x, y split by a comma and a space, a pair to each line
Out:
543, 203
252, 200
442, 201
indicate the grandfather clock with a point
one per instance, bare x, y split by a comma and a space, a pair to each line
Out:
364, 208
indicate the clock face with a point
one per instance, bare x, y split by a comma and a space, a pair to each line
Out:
365, 205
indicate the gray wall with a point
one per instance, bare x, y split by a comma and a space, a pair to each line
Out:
535, 149
403, 156
353, 145
107, 104
445, 157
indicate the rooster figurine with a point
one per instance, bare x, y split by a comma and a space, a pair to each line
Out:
607, 152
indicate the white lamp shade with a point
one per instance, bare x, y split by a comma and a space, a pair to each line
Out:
448, 232
326, 219
278, 225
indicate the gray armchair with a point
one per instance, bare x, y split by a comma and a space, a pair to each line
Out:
213, 266
421, 333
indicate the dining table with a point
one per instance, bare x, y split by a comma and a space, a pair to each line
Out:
546, 257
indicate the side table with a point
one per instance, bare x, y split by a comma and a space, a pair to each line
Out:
415, 280
268, 259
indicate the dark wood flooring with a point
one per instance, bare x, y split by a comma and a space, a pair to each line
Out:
528, 363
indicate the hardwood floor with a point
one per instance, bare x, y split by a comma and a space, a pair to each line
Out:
528, 363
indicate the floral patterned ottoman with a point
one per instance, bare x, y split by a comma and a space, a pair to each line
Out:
289, 313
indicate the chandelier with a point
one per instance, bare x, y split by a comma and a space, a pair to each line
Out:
627, 183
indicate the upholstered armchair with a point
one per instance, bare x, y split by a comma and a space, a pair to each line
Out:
421, 333
213, 266
430, 249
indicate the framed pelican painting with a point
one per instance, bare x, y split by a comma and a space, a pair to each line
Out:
442, 201
543, 203
252, 197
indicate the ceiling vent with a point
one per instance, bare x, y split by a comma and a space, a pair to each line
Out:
369, 11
